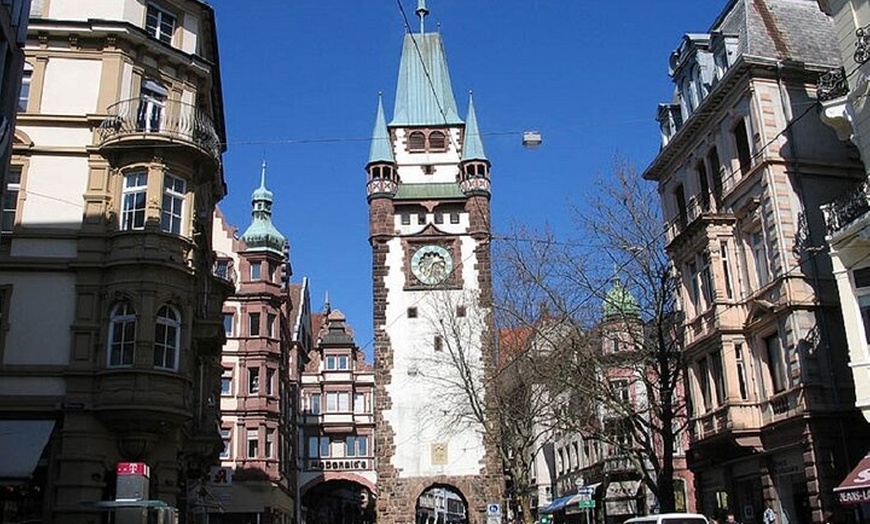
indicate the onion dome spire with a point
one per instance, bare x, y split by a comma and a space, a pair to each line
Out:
262, 235
620, 303
472, 149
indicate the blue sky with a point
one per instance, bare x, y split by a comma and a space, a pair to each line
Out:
301, 78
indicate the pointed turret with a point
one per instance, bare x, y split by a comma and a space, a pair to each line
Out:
474, 166
472, 149
383, 178
262, 235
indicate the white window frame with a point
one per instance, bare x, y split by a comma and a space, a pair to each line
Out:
167, 347
227, 439
123, 318
134, 197
315, 404
24, 93
10, 198
160, 17
227, 378
172, 215
229, 321
253, 443
359, 403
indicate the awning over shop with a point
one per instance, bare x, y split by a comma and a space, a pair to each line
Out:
557, 504
855, 488
21, 445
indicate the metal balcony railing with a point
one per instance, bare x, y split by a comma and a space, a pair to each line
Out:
846, 209
161, 119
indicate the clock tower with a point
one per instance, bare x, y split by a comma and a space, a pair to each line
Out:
429, 192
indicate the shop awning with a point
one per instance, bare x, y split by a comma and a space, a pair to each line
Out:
855, 488
557, 504
22, 442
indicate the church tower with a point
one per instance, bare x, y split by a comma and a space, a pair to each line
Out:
429, 195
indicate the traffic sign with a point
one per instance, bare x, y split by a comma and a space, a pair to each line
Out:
493, 509
586, 504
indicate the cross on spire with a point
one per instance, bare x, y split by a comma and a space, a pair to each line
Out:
422, 12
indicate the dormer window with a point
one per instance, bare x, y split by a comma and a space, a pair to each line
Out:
437, 141
417, 142
159, 24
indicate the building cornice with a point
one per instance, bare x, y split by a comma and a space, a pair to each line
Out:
745, 69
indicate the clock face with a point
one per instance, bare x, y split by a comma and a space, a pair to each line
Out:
431, 264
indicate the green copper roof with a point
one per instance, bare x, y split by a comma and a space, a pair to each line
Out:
382, 149
424, 96
428, 191
262, 235
619, 302
472, 149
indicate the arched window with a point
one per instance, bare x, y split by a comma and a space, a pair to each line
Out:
122, 335
437, 141
167, 338
416, 142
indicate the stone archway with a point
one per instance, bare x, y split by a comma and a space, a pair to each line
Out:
441, 504
338, 501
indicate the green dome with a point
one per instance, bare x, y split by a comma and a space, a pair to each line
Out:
619, 302
262, 235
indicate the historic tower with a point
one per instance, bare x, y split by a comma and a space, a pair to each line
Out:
428, 192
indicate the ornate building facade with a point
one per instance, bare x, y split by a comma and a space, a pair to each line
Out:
111, 313
267, 322
428, 192
337, 473
743, 170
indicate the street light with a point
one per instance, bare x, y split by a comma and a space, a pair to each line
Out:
532, 139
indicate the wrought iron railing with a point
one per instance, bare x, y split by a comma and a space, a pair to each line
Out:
832, 85
844, 210
146, 116
862, 45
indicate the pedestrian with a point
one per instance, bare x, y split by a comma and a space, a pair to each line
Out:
769, 516
729, 518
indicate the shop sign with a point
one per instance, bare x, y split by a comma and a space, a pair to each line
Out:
327, 465
856, 496
220, 476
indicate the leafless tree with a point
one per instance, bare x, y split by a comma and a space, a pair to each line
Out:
617, 374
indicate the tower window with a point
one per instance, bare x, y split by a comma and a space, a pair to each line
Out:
439, 218
454, 218
421, 218
428, 169
416, 142
460, 311
439, 343
437, 141
412, 312
406, 219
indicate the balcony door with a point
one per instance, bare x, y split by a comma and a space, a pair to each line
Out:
152, 104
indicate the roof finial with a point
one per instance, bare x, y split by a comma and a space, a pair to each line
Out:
422, 12
263, 174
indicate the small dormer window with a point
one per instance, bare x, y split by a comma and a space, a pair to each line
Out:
159, 24
417, 142
437, 141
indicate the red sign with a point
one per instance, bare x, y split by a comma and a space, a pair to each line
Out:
855, 488
132, 468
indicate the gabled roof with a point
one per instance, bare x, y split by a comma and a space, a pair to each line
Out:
424, 95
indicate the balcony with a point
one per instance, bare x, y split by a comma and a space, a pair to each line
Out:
146, 120
847, 209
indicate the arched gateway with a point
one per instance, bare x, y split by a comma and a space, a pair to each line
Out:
428, 191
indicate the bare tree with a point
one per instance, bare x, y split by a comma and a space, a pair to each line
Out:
496, 393
618, 373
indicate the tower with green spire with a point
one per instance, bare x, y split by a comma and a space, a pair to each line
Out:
429, 190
